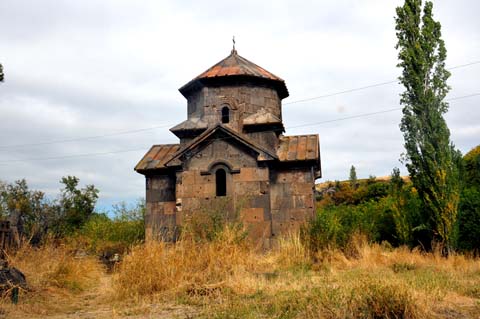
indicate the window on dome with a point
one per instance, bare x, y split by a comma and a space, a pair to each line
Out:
225, 114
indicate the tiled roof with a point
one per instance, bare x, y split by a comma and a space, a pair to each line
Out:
235, 65
291, 149
157, 156
299, 148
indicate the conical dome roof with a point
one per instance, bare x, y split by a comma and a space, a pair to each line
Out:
236, 67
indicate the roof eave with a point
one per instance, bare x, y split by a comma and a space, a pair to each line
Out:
199, 83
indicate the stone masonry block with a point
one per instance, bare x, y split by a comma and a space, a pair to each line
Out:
251, 174
258, 230
252, 215
280, 215
188, 177
299, 215
191, 204
262, 201
280, 229
209, 190
169, 208
297, 176
246, 188
302, 188
280, 199
299, 201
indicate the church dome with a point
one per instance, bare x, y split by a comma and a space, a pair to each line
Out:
235, 69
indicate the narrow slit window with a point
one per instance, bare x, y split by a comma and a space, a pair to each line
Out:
225, 114
221, 182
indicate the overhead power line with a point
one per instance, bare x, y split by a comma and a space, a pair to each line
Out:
366, 87
76, 139
290, 127
73, 155
378, 112
340, 92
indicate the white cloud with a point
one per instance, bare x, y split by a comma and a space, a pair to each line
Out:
83, 68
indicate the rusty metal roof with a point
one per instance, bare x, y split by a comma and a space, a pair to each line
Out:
235, 65
156, 157
299, 148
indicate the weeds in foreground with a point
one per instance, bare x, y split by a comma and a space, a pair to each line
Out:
55, 276
226, 278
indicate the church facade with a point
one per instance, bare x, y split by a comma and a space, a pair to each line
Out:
232, 155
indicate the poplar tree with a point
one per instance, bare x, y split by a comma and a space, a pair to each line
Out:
353, 177
431, 159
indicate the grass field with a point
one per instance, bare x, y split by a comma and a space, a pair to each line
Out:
230, 279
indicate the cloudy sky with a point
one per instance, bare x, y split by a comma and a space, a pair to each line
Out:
91, 85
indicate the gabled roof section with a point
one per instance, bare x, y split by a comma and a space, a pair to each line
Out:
236, 66
192, 124
156, 157
296, 149
225, 133
299, 148
262, 117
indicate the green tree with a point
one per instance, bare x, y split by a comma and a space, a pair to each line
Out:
471, 162
1, 73
353, 177
75, 205
431, 159
27, 210
469, 209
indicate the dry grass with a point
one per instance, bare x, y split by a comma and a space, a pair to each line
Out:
186, 267
55, 278
226, 278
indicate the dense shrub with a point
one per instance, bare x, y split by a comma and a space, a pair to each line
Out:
34, 216
101, 233
333, 226
469, 220
381, 210
472, 167
469, 208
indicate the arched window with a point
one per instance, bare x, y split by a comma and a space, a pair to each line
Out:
225, 114
221, 182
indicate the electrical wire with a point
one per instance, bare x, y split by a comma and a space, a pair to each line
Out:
367, 86
2, 147
291, 127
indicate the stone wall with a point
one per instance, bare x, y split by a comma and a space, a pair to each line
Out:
292, 199
269, 201
243, 101
160, 208
248, 198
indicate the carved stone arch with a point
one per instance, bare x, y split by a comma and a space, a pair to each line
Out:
229, 101
222, 172
225, 164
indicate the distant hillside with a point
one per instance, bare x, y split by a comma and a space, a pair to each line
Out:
325, 185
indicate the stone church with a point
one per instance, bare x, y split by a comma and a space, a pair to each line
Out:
232, 155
